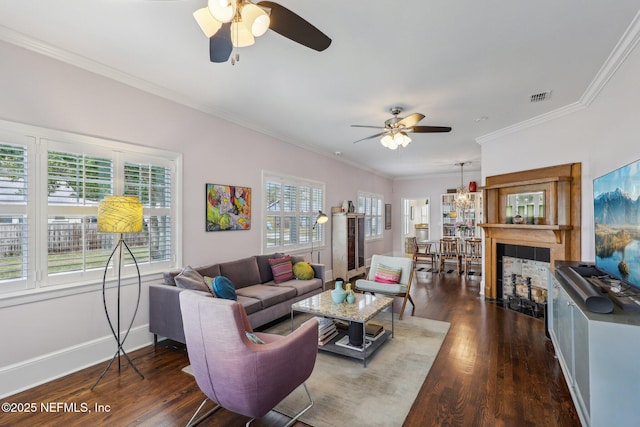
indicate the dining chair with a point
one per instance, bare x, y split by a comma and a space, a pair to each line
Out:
450, 252
422, 253
472, 254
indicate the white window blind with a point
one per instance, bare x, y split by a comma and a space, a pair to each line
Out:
290, 210
371, 205
14, 228
152, 185
76, 182
49, 193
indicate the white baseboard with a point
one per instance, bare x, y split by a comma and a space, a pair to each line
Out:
33, 372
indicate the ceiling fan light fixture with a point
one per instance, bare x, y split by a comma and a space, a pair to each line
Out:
208, 24
386, 140
223, 10
241, 35
255, 18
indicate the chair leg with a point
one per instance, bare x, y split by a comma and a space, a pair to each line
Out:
192, 423
404, 303
299, 414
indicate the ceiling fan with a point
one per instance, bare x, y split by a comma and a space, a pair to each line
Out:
395, 129
236, 23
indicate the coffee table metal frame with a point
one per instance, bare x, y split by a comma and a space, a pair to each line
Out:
362, 310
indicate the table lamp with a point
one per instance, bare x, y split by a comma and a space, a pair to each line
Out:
119, 214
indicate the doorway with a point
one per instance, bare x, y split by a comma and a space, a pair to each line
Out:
416, 220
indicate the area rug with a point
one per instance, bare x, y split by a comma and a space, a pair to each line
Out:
346, 393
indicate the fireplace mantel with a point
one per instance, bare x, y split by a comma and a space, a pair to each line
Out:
560, 231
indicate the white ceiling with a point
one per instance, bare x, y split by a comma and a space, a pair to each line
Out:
455, 61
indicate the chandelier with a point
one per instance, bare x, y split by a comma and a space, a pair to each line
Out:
462, 200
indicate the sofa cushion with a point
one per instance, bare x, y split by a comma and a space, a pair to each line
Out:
282, 269
264, 267
242, 272
302, 286
211, 270
303, 270
268, 295
251, 305
191, 279
224, 288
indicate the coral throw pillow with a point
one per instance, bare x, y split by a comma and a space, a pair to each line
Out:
282, 269
386, 274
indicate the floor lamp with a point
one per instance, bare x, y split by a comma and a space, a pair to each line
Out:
321, 219
119, 214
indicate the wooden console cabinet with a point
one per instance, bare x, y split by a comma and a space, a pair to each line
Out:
598, 354
347, 245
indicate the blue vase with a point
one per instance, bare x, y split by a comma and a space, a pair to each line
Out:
338, 294
351, 297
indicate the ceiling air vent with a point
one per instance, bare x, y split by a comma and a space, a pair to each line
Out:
539, 97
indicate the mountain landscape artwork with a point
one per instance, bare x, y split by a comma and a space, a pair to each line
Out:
616, 207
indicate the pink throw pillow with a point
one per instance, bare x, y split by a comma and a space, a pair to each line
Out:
282, 269
386, 274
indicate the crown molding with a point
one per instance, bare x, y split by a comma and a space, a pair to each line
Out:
534, 121
616, 58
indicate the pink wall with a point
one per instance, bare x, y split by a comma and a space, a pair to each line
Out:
44, 92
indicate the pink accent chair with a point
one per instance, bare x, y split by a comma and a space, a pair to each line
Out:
235, 373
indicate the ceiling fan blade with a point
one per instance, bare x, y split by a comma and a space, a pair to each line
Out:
411, 120
365, 126
370, 137
288, 24
220, 46
429, 129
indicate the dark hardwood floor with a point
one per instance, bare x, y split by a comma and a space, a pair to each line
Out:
495, 368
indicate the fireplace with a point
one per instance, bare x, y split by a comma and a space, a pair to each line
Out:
555, 236
522, 277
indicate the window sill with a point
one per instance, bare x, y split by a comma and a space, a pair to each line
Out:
29, 296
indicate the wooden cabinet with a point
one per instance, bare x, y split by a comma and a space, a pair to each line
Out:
598, 355
451, 215
348, 245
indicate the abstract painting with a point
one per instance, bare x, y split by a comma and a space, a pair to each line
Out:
228, 207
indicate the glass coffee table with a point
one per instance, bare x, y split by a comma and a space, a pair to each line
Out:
365, 308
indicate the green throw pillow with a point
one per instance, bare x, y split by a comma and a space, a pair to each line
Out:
303, 270
254, 338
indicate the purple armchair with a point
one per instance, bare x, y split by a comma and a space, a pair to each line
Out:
235, 373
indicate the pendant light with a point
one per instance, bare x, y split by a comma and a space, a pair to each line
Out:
463, 197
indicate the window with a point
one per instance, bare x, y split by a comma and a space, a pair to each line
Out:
371, 205
290, 211
75, 176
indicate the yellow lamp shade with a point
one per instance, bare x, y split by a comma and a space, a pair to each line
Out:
208, 24
120, 214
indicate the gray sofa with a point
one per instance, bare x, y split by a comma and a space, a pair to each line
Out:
262, 298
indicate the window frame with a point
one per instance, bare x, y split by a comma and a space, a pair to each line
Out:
374, 218
305, 219
39, 283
